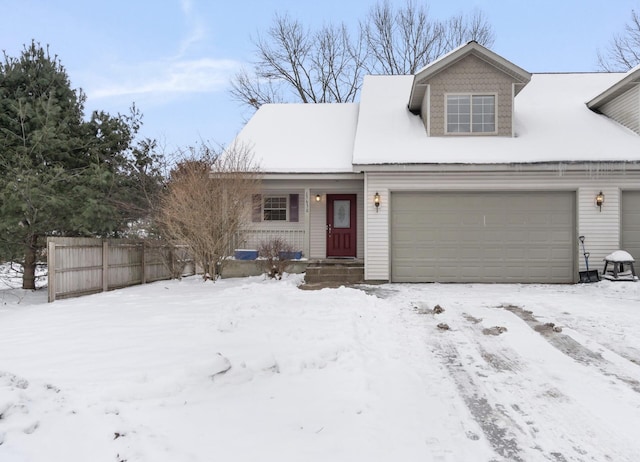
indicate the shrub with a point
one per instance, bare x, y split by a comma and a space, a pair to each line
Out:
273, 259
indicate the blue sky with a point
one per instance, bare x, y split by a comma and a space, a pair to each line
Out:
174, 58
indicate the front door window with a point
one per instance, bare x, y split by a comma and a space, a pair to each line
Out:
341, 214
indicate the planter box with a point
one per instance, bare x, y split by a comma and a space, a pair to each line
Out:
245, 254
290, 255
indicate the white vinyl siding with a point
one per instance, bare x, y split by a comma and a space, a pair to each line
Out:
600, 228
317, 210
625, 109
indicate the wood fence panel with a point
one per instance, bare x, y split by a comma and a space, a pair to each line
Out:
82, 266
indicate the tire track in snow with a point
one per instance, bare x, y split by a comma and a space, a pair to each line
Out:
514, 410
524, 410
494, 422
572, 348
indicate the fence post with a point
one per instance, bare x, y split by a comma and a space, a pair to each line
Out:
142, 264
51, 271
105, 265
172, 259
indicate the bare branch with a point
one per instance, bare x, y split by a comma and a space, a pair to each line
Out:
623, 52
294, 63
208, 202
405, 40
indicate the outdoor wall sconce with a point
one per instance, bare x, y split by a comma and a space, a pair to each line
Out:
318, 197
600, 200
376, 201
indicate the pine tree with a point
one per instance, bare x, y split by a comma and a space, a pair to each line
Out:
59, 174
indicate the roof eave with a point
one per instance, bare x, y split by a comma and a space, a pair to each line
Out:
629, 81
452, 57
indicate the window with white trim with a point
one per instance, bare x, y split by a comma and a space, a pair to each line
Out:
471, 113
275, 208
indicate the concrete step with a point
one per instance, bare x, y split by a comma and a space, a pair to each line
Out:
345, 272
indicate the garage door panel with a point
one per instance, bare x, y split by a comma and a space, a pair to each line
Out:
561, 220
483, 237
630, 226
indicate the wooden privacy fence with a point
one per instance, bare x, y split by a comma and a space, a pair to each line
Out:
82, 266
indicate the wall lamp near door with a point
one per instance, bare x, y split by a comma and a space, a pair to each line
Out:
600, 200
318, 197
376, 201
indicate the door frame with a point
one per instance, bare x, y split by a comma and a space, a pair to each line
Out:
353, 228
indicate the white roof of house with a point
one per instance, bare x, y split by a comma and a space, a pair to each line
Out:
313, 138
552, 124
551, 119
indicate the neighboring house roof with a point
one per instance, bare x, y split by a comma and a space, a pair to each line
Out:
310, 138
471, 48
630, 79
552, 124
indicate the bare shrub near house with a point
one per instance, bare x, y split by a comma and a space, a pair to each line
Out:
207, 202
177, 260
274, 257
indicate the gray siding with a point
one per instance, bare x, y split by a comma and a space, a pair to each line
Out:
625, 109
631, 224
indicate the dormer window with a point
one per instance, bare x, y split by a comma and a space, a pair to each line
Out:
468, 113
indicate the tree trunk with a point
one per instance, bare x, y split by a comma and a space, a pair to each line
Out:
29, 267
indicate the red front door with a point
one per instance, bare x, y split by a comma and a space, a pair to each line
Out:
341, 225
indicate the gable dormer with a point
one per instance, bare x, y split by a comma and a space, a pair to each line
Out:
621, 102
469, 91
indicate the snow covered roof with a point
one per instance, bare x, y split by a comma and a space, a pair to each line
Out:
552, 123
312, 138
629, 79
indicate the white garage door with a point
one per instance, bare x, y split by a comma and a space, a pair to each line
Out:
483, 237
630, 239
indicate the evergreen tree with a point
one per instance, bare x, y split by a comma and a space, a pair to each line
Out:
59, 174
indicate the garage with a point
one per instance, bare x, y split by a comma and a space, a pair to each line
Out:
630, 226
483, 236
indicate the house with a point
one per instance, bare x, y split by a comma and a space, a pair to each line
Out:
471, 170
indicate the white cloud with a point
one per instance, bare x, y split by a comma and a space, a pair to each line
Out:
197, 29
168, 77
165, 78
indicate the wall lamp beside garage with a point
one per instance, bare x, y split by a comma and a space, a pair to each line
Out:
318, 197
600, 200
376, 201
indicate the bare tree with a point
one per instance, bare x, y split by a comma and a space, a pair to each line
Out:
623, 52
295, 63
207, 203
405, 40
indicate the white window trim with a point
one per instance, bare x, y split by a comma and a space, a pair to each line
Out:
470, 133
286, 210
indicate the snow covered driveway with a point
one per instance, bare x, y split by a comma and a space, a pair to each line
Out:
248, 369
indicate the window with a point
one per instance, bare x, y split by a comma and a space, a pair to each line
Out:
471, 113
275, 208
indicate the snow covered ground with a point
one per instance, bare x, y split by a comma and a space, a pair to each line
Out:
258, 370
